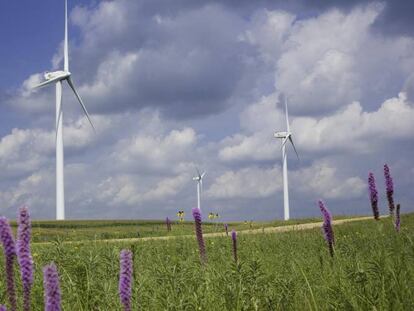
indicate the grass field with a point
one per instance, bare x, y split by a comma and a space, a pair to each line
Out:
373, 269
78, 230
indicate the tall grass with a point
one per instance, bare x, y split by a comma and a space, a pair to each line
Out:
373, 270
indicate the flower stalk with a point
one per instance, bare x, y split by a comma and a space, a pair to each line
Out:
9, 248
389, 185
234, 239
373, 195
397, 218
125, 279
51, 288
24, 255
199, 234
168, 224
327, 227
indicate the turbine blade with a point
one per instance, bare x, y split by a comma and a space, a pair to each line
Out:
201, 185
287, 115
202, 175
80, 102
47, 82
293, 145
284, 141
65, 44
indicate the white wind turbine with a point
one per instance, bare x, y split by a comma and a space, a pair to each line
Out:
199, 179
58, 77
286, 136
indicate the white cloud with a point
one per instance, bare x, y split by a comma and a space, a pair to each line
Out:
268, 31
24, 151
355, 130
259, 121
321, 179
331, 59
350, 130
160, 153
34, 190
339, 74
250, 182
130, 190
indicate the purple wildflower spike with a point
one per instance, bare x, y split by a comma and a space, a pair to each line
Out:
3, 308
389, 185
9, 247
199, 233
234, 239
397, 218
168, 224
24, 255
373, 193
327, 227
51, 288
226, 228
125, 278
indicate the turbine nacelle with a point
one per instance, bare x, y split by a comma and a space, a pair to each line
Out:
56, 75
282, 134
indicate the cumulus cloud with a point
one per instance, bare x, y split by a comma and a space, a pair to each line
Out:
250, 183
161, 80
351, 130
161, 154
35, 190
358, 131
129, 190
323, 179
258, 123
327, 61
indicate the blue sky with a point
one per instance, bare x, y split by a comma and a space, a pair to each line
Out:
175, 85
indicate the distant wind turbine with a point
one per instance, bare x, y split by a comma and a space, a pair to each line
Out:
199, 179
58, 77
286, 136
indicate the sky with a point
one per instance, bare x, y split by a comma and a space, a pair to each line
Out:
175, 85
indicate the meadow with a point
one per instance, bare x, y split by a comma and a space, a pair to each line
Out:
79, 230
372, 269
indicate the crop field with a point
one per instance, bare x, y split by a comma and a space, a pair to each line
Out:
372, 269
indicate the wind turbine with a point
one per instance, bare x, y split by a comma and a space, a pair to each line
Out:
58, 77
199, 179
285, 136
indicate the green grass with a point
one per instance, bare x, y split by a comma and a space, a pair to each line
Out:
373, 269
78, 230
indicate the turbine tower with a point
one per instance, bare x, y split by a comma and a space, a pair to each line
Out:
58, 77
285, 136
199, 179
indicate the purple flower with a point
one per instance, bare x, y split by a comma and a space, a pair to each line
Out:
373, 195
234, 239
199, 233
3, 308
226, 227
24, 256
9, 247
125, 278
327, 227
397, 218
390, 189
168, 224
51, 288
